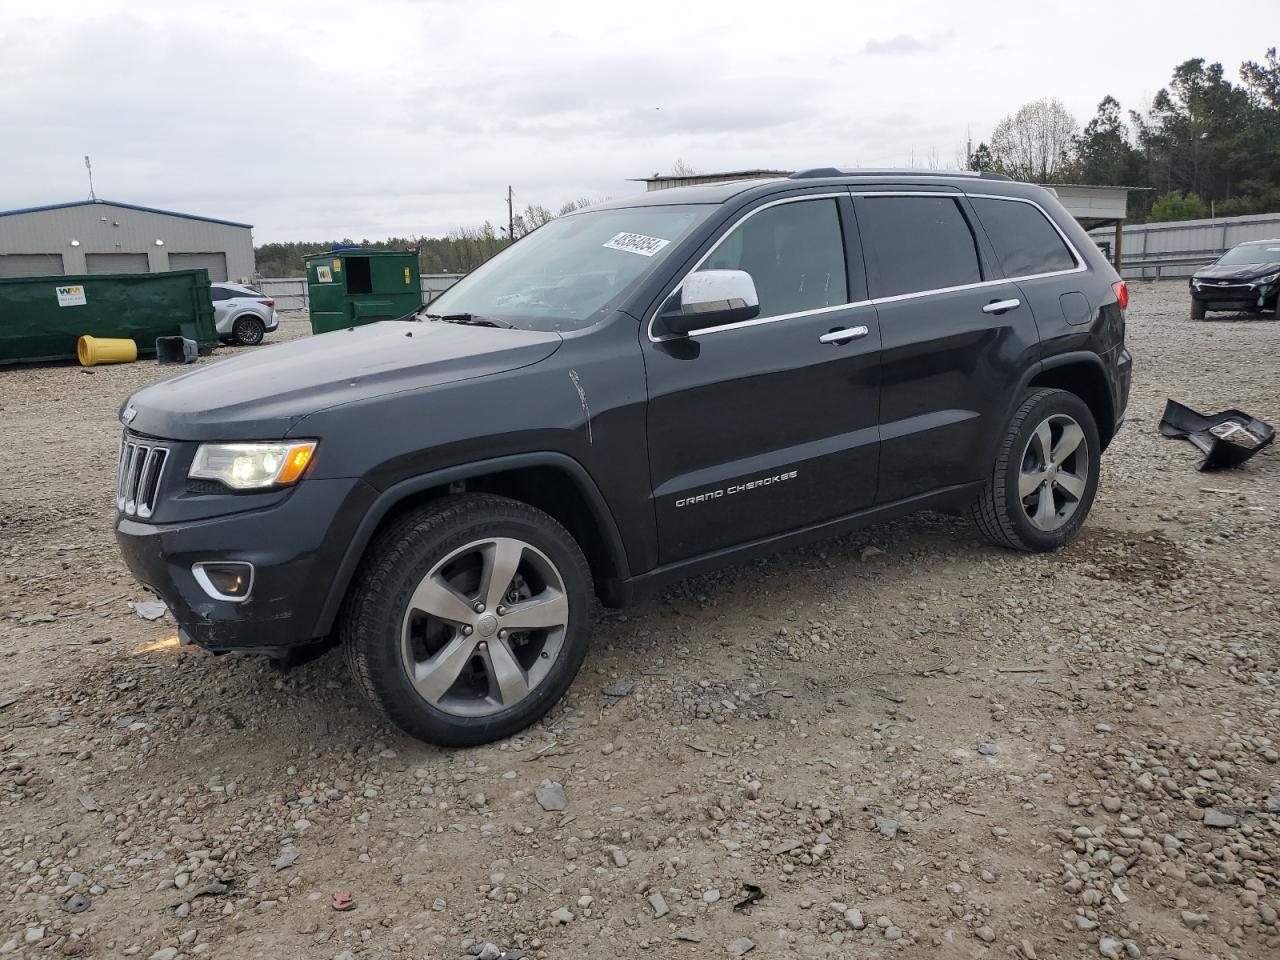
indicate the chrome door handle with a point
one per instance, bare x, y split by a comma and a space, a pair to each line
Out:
844, 335
1000, 306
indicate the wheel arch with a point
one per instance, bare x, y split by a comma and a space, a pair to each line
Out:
553, 482
1082, 374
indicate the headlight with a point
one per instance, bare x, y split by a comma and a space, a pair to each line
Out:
1270, 278
252, 466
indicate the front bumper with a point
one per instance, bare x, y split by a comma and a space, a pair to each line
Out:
1235, 296
296, 547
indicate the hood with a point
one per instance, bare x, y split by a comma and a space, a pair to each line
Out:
262, 394
1239, 271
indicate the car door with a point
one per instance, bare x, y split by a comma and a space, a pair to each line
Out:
955, 336
769, 424
1033, 253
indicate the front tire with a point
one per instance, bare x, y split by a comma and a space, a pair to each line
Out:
469, 619
1197, 309
248, 331
1045, 475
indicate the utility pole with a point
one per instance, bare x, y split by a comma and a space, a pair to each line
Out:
88, 166
511, 216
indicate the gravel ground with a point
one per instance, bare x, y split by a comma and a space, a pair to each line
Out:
912, 743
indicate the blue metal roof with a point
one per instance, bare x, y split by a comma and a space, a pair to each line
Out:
126, 206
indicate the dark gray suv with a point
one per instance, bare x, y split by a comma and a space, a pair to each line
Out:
631, 394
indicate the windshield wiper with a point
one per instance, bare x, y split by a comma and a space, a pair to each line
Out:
467, 319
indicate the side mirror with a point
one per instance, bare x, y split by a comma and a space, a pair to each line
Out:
710, 298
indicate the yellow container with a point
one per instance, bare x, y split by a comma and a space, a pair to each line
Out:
91, 351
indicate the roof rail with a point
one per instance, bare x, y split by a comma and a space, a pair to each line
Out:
815, 173
818, 172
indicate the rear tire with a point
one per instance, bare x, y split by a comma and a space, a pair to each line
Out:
1045, 474
1197, 309
248, 331
422, 630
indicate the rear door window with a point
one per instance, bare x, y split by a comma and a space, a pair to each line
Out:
794, 253
916, 244
1026, 243
220, 293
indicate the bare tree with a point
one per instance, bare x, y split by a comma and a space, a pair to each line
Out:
571, 205
1036, 142
682, 169
534, 216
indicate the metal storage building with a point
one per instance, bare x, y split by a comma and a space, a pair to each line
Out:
102, 237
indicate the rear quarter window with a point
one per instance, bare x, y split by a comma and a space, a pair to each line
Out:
1026, 243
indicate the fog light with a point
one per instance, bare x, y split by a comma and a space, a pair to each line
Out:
225, 580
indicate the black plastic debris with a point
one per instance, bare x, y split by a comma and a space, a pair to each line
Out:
1227, 439
753, 894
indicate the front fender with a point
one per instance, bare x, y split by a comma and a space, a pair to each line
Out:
397, 493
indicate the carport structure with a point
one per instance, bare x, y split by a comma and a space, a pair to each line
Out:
1097, 206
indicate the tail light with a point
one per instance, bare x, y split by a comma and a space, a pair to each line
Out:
1121, 290
272, 303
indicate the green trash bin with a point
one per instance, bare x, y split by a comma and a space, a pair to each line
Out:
347, 288
42, 318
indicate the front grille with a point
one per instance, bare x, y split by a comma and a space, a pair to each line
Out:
138, 477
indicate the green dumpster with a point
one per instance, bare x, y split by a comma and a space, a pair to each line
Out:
347, 288
41, 318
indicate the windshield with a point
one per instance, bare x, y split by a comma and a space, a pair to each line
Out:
568, 273
1251, 253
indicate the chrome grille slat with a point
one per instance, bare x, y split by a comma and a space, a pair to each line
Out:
131, 479
124, 452
138, 476
151, 485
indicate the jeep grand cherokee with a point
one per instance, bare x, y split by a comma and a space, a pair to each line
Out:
629, 395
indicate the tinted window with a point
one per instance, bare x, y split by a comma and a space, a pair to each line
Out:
917, 243
220, 293
1026, 243
794, 253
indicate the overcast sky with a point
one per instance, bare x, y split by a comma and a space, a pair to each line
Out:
367, 118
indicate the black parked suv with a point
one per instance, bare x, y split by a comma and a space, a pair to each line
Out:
1246, 277
629, 395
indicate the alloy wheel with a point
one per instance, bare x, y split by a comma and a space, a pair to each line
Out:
484, 627
1054, 473
249, 331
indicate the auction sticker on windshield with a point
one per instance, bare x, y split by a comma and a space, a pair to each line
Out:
636, 243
